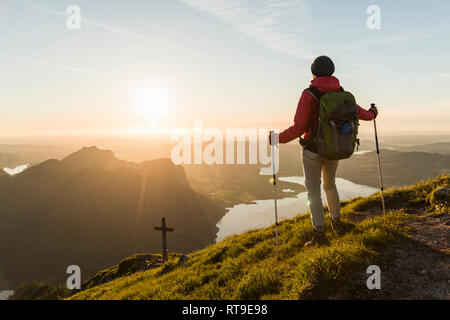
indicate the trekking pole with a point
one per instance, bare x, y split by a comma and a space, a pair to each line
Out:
274, 177
379, 163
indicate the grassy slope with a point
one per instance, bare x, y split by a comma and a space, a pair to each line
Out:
244, 266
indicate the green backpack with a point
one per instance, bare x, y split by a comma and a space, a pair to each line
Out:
335, 135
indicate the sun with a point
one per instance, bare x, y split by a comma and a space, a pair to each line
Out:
152, 103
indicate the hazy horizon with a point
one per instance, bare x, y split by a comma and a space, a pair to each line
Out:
156, 140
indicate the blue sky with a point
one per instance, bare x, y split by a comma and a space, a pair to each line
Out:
228, 63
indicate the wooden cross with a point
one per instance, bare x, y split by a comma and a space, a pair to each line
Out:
164, 229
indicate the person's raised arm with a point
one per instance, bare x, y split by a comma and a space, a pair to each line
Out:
301, 119
367, 115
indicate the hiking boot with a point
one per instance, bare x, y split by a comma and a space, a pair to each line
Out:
337, 226
318, 239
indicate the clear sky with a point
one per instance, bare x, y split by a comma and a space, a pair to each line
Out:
140, 65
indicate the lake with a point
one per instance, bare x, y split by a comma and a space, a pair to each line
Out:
4, 295
260, 214
362, 152
16, 170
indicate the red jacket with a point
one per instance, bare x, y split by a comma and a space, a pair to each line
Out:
308, 110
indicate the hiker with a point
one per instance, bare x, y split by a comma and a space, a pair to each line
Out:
315, 157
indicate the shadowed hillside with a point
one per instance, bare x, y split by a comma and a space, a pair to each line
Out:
242, 183
399, 168
245, 266
91, 209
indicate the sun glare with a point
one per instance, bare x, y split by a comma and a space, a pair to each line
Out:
152, 103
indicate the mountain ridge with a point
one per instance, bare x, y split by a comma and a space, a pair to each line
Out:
91, 201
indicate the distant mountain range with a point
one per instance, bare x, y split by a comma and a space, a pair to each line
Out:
10, 160
233, 184
34, 154
91, 209
398, 168
440, 147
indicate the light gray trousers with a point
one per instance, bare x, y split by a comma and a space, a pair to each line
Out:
315, 166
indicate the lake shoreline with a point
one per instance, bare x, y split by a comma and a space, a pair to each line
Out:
16, 170
260, 213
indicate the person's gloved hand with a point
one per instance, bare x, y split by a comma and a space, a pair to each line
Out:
374, 110
274, 139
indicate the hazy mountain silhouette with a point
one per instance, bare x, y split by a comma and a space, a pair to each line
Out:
94, 158
10, 160
91, 209
439, 147
33, 154
398, 168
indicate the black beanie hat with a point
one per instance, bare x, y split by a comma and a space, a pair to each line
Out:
322, 66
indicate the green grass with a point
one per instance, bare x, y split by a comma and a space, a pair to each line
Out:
245, 266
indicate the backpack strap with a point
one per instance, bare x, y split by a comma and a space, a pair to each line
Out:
315, 93
310, 144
